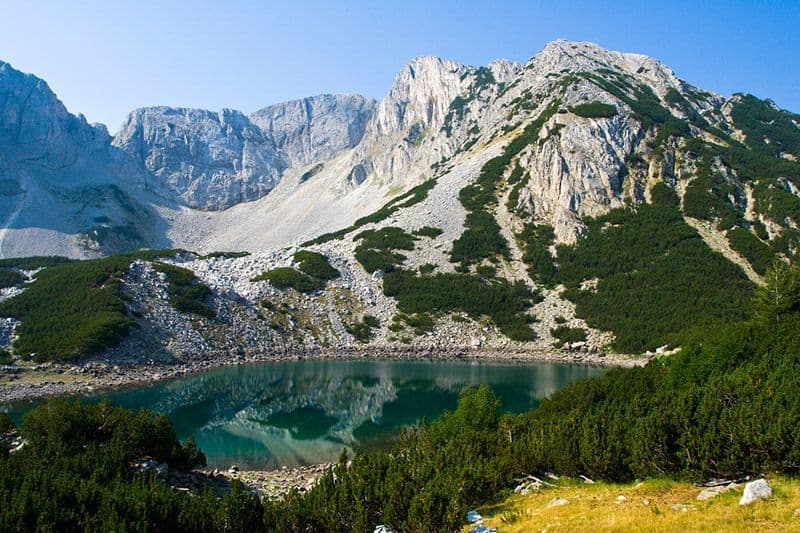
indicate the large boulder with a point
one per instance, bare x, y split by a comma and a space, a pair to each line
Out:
754, 491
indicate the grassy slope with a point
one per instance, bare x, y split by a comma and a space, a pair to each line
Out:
648, 507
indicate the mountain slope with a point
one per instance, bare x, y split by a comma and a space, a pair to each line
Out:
517, 206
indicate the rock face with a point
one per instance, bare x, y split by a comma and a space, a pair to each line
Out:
317, 128
209, 160
295, 170
37, 130
754, 491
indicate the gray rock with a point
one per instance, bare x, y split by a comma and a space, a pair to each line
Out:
756, 490
316, 128
557, 502
209, 160
710, 492
683, 507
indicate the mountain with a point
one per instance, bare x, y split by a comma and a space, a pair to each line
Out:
587, 197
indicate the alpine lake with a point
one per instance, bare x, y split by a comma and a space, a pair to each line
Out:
295, 413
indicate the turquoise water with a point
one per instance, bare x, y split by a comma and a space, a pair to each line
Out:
302, 412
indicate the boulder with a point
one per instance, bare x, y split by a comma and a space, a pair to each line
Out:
709, 492
682, 507
557, 502
755, 490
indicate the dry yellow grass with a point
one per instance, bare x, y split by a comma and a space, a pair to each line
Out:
647, 506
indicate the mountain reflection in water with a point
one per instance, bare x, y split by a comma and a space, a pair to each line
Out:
303, 412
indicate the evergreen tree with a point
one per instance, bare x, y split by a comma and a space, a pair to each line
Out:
780, 293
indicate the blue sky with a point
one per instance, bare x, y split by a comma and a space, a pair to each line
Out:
104, 58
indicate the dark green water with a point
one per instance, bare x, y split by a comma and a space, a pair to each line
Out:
302, 412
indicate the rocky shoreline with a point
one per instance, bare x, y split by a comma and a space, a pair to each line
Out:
53, 379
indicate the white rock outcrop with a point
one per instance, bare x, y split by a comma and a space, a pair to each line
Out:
756, 490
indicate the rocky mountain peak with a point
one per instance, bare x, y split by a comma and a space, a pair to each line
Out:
504, 70
35, 125
316, 128
211, 160
420, 94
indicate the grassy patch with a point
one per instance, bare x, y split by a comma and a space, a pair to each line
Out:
648, 506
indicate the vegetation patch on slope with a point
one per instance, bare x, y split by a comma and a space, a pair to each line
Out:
363, 330
33, 262
411, 197
535, 240
187, 294
594, 110
566, 335
757, 253
657, 279
377, 250
75, 308
482, 238
315, 265
10, 278
504, 303
289, 278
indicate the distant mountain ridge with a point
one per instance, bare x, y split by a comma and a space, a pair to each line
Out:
225, 180
587, 199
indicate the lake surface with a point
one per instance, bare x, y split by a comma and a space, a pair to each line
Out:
303, 412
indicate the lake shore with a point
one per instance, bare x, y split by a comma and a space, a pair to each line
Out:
22, 382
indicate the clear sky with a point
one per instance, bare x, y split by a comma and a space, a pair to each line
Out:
104, 58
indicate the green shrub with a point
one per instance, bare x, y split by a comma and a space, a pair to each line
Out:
362, 331
6, 424
33, 263
225, 255
567, 335
594, 110
427, 268
187, 294
376, 250
315, 265
421, 323
536, 240
289, 278
428, 231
